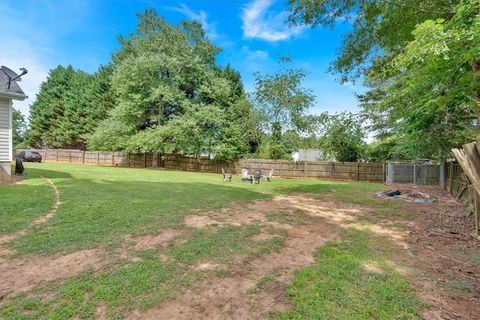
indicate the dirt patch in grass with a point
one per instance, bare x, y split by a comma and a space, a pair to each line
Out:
262, 236
238, 295
287, 210
150, 241
21, 275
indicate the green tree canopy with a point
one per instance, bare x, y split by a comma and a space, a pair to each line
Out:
428, 94
342, 137
419, 60
284, 103
18, 128
171, 95
69, 106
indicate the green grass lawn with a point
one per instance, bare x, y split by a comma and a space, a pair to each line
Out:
101, 205
21, 203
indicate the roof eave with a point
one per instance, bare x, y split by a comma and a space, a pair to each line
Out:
13, 95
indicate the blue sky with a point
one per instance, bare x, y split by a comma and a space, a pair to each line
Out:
39, 35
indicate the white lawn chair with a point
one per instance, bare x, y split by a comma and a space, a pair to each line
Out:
226, 176
269, 176
245, 177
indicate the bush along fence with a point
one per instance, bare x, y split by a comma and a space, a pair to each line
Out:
373, 172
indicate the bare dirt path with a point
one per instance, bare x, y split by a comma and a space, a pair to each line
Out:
25, 273
254, 288
428, 255
250, 292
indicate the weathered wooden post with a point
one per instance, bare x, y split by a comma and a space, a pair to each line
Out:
476, 208
442, 175
390, 174
357, 173
414, 173
450, 175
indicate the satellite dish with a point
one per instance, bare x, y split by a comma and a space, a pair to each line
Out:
11, 74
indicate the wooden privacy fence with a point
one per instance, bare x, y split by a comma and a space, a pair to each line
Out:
374, 172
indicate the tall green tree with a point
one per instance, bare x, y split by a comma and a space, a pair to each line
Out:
380, 29
284, 103
69, 106
48, 110
171, 96
19, 127
432, 96
420, 60
342, 137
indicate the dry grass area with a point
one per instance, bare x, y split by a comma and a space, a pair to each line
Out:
295, 249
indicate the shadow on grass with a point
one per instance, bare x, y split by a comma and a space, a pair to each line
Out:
35, 173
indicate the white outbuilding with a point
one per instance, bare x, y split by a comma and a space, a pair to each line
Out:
9, 91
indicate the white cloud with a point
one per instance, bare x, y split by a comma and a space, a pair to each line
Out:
254, 54
200, 16
258, 22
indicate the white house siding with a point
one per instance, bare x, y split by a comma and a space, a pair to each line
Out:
307, 155
5, 137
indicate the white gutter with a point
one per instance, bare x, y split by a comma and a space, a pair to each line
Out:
13, 95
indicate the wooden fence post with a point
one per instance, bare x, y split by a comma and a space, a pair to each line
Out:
57, 155
113, 158
70, 155
384, 172
144, 159
83, 156
441, 178
476, 208
450, 175
98, 158
414, 173
357, 173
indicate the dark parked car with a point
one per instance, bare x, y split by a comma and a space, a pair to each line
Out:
30, 156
